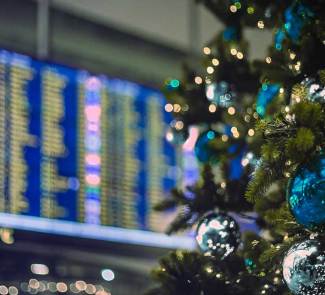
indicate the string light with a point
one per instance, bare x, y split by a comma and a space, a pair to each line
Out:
61, 287
179, 125
245, 162
240, 55
215, 62
292, 55
210, 70
212, 108
206, 50
268, 59
233, 8
260, 24
169, 108
281, 90
223, 184
224, 138
233, 129
233, 51
3, 290
198, 80
231, 111
251, 132
250, 10
177, 108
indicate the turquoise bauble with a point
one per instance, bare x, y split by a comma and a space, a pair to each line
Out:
203, 149
306, 194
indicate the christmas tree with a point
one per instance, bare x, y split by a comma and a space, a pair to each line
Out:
262, 124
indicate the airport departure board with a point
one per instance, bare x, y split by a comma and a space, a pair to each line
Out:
81, 148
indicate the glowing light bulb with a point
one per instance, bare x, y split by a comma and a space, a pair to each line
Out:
198, 80
206, 50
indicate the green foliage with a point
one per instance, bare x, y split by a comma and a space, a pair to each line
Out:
191, 273
291, 139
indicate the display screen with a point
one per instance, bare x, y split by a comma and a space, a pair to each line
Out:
81, 154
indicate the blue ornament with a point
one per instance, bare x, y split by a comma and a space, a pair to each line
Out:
203, 149
306, 194
221, 93
218, 235
173, 84
278, 38
250, 265
265, 96
304, 268
230, 34
296, 16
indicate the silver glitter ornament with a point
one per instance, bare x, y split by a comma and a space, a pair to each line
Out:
304, 268
315, 91
218, 235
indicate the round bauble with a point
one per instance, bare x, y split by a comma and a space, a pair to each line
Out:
221, 93
304, 268
315, 91
203, 149
306, 194
218, 235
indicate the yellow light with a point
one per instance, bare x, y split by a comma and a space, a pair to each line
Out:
260, 24
61, 287
210, 70
215, 62
81, 285
168, 107
209, 269
268, 59
234, 130
177, 108
281, 90
292, 55
231, 111
233, 8
233, 51
245, 162
206, 50
224, 138
240, 55
236, 134
179, 125
34, 284
223, 184
212, 108
198, 80
251, 132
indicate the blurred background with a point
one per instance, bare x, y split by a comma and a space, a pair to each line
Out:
67, 65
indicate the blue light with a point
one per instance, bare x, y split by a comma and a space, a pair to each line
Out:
211, 134
174, 83
265, 96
